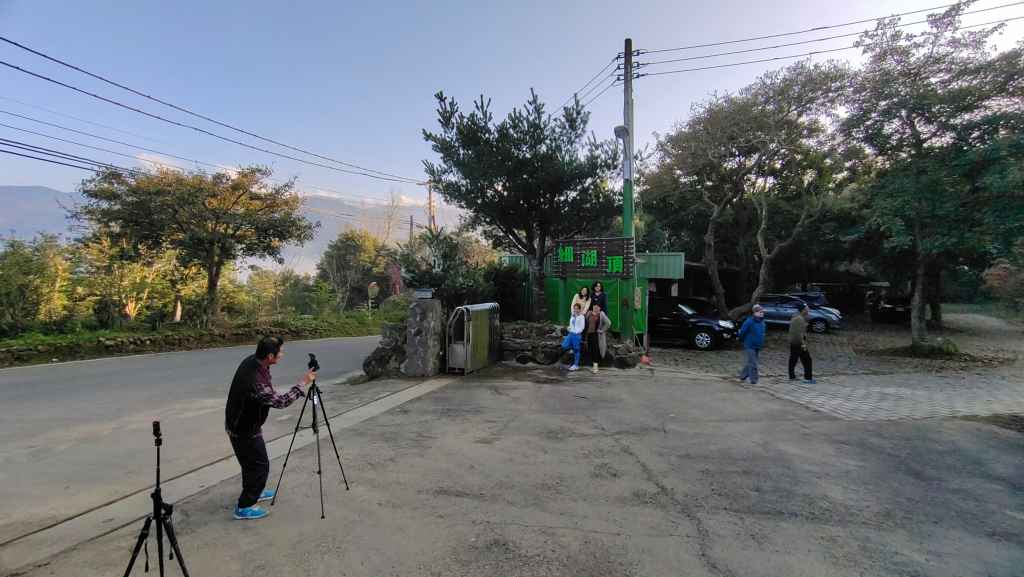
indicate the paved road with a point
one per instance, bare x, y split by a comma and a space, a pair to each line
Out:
76, 435
537, 473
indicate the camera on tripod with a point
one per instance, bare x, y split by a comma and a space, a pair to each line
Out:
313, 364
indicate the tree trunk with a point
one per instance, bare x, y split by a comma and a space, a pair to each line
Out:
935, 295
212, 296
540, 305
918, 323
177, 308
711, 263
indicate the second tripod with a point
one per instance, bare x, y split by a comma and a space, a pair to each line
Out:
313, 395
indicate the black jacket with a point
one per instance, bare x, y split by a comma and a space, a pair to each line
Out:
245, 414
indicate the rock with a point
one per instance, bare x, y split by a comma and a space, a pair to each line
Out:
624, 355
523, 358
424, 339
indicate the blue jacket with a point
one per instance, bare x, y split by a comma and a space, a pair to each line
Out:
752, 333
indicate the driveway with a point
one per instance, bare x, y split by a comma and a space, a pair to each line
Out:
641, 473
76, 435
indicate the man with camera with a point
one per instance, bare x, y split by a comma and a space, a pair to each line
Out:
249, 401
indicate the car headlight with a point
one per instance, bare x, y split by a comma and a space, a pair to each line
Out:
726, 324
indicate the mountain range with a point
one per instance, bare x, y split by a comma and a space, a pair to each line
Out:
30, 210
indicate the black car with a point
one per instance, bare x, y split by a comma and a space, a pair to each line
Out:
887, 309
696, 321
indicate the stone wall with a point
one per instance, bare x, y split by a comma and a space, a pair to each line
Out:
541, 343
386, 360
425, 329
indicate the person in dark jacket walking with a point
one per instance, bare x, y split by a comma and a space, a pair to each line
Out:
752, 336
249, 401
798, 345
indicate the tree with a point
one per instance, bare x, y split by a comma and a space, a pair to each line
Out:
350, 263
525, 181
211, 220
924, 104
119, 275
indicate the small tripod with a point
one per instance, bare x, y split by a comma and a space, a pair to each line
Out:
317, 400
162, 516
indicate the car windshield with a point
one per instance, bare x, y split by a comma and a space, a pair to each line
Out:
687, 310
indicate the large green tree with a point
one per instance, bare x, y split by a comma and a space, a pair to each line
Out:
925, 105
211, 220
756, 164
352, 261
525, 181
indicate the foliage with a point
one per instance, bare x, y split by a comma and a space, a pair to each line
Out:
211, 220
1004, 280
933, 107
453, 264
525, 181
351, 262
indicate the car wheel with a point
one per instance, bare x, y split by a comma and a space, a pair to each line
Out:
703, 340
819, 326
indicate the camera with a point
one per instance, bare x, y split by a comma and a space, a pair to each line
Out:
313, 364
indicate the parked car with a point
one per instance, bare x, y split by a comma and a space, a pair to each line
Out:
816, 300
780, 309
696, 321
886, 309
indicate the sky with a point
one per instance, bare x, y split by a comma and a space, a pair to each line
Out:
356, 80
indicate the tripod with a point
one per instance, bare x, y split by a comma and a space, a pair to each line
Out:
313, 393
162, 516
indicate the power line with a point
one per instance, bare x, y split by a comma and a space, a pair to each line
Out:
792, 56
57, 113
111, 140
84, 145
598, 95
811, 41
143, 148
198, 115
577, 94
794, 33
64, 155
196, 128
51, 161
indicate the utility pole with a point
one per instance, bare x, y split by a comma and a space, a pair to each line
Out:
431, 214
410, 230
627, 182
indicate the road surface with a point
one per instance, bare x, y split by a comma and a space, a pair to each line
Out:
76, 435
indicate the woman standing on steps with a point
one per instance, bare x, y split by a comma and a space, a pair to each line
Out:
598, 296
581, 298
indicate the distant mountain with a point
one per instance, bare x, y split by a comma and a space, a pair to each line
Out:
29, 210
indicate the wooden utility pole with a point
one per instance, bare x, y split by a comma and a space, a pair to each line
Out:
626, 326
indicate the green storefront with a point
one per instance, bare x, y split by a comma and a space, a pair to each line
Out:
559, 289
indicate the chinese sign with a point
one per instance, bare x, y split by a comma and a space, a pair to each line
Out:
595, 257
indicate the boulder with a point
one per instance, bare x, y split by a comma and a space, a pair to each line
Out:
424, 339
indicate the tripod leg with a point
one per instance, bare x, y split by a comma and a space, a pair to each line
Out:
319, 464
160, 543
143, 535
173, 540
298, 422
330, 433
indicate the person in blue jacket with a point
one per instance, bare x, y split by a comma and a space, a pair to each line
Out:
752, 336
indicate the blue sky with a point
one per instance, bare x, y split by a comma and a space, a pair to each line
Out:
355, 80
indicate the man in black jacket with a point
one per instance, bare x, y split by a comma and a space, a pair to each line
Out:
249, 401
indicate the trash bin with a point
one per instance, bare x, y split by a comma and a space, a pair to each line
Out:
474, 337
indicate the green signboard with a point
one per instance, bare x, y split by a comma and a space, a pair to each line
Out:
595, 258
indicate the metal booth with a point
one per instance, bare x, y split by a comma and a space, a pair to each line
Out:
474, 337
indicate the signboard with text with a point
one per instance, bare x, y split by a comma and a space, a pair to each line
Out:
595, 258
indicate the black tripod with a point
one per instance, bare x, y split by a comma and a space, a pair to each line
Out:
162, 516
317, 400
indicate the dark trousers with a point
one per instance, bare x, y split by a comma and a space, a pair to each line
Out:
252, 456
799, 352
594, 347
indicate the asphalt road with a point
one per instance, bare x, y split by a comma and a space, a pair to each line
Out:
541, 473
76, 435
